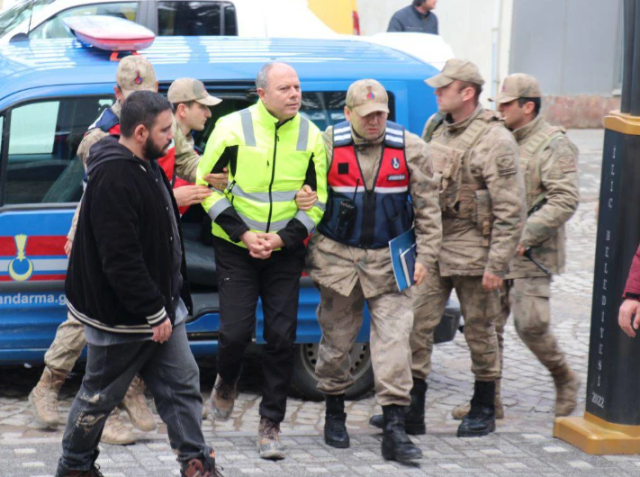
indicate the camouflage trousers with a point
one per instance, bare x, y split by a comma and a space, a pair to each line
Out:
480, 309
340, 318
528, 300
67, 345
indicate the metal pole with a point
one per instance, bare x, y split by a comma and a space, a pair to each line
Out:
629, 15
635, 75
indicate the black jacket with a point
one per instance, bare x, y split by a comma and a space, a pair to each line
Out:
119, 276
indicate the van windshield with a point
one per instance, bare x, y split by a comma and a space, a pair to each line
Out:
19, 13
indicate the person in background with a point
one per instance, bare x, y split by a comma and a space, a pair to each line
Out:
416, 18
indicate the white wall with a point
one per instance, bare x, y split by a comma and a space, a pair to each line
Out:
467, 25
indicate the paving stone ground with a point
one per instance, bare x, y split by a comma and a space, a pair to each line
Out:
522, 446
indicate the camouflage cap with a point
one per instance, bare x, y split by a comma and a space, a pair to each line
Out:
184, 90
454, 69
367, 96
516, 86
135, 73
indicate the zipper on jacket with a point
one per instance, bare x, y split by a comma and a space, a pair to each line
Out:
273, 176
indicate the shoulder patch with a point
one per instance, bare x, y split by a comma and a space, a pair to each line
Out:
567, 163
506, 165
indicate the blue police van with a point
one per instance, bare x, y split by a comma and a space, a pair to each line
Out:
52, 90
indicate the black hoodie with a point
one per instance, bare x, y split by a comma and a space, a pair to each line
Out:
120, 269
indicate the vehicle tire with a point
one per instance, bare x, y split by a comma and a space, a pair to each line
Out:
304, 382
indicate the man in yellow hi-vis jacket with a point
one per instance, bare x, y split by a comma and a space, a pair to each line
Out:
270, 151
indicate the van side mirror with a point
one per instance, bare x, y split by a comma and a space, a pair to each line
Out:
19, 37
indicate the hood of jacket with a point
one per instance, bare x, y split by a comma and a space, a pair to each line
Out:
107, 150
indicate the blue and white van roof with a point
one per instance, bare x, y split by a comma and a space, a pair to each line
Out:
67, 63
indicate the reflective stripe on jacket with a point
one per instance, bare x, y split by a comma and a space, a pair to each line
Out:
268, 164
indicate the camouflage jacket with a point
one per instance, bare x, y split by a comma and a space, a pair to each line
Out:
548, 160
340, 267
481, 194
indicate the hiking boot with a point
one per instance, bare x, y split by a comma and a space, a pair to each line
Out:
44, 397
115, 432
223, 397
335, 428
94, 471
567, 384
137, 408
202, 468
269, 445
481, 420
396, 445
459, 412
415, 424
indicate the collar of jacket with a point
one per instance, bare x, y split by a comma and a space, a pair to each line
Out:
525, 132
420, 15
117, 109
361, 142
268, 119
461, 125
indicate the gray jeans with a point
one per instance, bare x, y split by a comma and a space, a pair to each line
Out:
171, 374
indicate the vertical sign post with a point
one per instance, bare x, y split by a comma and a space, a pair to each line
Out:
611, 423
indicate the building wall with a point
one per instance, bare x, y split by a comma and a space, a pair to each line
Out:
467, 25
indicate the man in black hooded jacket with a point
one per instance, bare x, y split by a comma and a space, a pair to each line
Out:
127, 283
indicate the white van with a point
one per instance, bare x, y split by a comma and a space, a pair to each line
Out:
43, 19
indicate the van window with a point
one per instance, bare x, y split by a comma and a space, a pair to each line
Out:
20, 12
43, 140
55, 27
196, 18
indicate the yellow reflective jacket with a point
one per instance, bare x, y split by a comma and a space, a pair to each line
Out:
268, 164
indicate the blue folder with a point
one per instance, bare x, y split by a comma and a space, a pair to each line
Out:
403, 258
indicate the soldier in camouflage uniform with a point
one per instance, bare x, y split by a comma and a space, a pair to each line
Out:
481, 199
355, 266
135, 73
548, 160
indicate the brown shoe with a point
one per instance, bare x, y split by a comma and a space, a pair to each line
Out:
44, 397
223, 397
137, 408
567, 384
115, 432
269, 445
199, 468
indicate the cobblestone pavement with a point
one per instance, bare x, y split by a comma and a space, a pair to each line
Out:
523, 444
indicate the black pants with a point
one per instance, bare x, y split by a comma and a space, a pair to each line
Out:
241, 281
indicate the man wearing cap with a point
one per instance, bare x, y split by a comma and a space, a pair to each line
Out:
258, 234
481, 199
548, 162
375, 166
134, 73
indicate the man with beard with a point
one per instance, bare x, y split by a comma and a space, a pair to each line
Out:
548, 160
135, 73
127, 283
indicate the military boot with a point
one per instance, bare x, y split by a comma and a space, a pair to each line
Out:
481, 419
269, 445
223, 397
459, 412
202, 468
115, 432
137, 408
415, 424
335, 428
44, 397
567, 384
396, 445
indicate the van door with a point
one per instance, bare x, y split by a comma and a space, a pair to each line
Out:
40, 184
